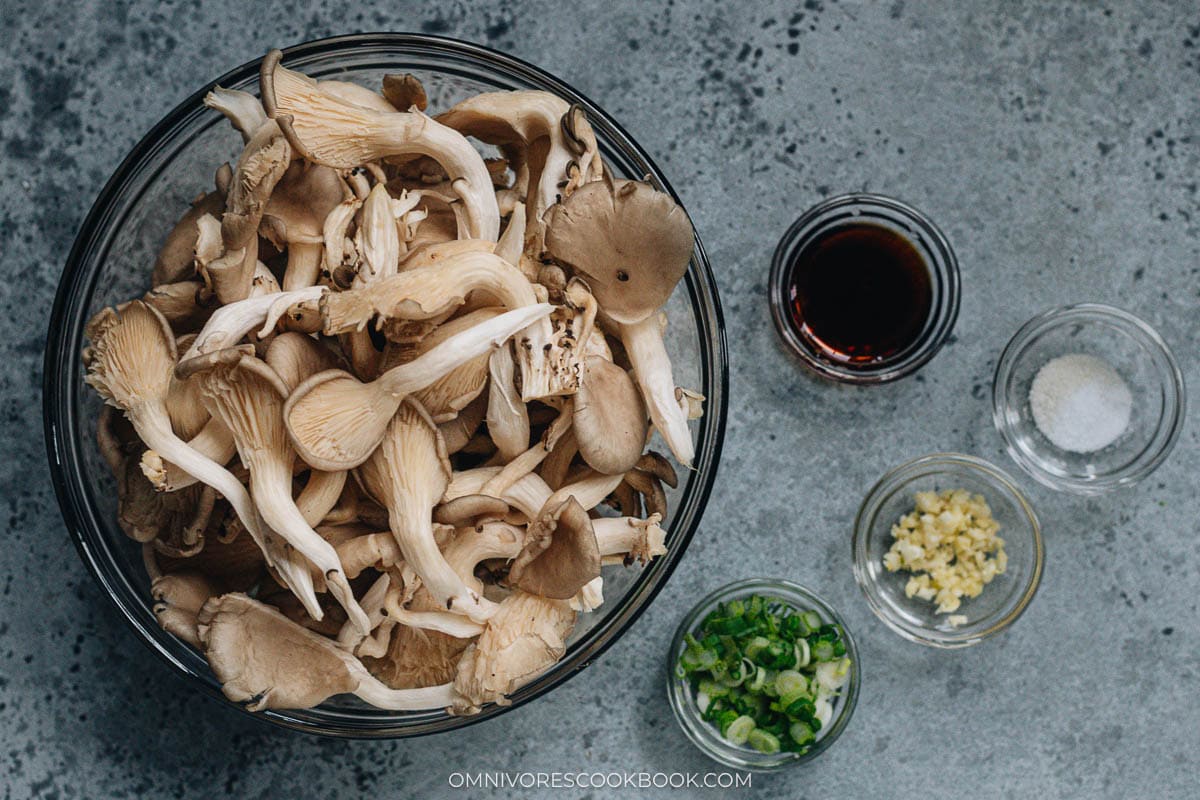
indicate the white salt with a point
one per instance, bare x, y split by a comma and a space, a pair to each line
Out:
1080, 403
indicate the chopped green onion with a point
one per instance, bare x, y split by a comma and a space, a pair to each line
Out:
739, 730
765, 673
790, 682
803, 653
762, 741
756, 646
801, 732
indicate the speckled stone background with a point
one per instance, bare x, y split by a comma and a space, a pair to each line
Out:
1057, 144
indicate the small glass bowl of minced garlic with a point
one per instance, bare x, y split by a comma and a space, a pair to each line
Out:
1088, 398
947, 550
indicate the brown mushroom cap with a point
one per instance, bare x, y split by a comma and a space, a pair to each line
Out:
561, 554
610, 418
632, 242
263, 658
405, 91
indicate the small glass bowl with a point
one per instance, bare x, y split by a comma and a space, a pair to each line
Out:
709, 739
1136, 352
1002, 600
914, 227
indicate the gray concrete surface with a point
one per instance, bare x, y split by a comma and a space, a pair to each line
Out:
1058, 145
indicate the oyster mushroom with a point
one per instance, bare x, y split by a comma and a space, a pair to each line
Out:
261, 165
328, 130
404, 92
566, 155
631, 242
610, 418
230, 323
248, 397
296, 358
409, 494
265, 660
668, 411
185, 304
175, 260
507, 415
336, 422
178, 598
449, 394
294, 219
458, 431
130, 364
527, 635
560, 555
242, 109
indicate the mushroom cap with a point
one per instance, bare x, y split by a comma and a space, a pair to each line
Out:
132, 355
263, 658
527, 635
303, 198
296, 357
561, 555
262, 164
405, 91
610, 418
335, 421
504, 117
632, 243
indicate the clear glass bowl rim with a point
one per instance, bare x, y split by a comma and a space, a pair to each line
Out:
701, 734
64, 338
866, 517
1172, 420
946, 276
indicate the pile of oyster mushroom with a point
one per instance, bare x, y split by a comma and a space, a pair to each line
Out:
385, 413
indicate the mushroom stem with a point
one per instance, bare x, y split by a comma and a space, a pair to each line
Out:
375, 692
442, 621
272, 491
507, 415
303, 265
230, 323
410, 495
214, 441
528, 461
351, 635
320, 495
644, 343
153, 426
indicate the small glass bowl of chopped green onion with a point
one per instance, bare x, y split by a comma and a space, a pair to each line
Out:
762, 674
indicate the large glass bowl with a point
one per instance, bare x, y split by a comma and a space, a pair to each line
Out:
110, 263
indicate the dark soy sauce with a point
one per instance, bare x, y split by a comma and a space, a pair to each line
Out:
859, 294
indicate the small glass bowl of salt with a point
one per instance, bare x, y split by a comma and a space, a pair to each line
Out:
1088, 398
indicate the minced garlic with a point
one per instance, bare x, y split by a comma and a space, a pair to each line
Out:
950, 545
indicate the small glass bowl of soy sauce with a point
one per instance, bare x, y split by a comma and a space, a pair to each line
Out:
864, 288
